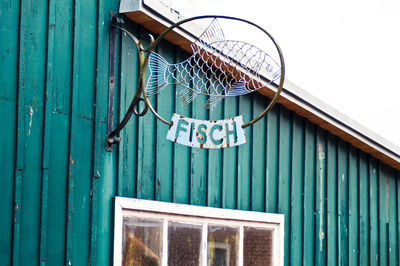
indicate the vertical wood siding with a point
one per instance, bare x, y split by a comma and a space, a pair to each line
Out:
57, 182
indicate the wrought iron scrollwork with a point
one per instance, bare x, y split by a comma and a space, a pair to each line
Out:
112, 134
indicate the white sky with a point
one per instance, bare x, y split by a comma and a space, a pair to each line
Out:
344, 52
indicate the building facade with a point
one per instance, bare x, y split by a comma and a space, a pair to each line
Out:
339, 194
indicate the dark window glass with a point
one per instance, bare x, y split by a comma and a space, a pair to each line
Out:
257, 245
142, 242
184, 243
222, 245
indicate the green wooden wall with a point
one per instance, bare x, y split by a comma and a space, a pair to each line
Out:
57, 182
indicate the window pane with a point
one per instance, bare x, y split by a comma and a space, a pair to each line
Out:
184, 244
142, 242
222, 245
257, 246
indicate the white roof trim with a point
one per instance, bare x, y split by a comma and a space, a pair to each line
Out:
339, 124
304, 99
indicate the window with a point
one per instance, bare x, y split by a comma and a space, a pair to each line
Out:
159, 233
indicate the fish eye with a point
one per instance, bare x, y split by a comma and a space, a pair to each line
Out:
268, 67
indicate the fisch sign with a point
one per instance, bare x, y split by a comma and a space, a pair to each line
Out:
216, 69
207, 134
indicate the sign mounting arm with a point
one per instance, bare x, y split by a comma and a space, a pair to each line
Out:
112, 137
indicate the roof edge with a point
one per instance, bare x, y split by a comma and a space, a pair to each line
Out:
337, 123
156, 17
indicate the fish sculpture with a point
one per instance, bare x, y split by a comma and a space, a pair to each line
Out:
217, 68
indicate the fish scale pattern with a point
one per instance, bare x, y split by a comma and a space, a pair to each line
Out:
218, 68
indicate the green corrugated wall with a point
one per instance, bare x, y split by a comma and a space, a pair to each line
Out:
57, 182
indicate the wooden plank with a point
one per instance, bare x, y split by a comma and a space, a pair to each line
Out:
363, 209
181, 186
57, 194
230, 161
32, 73
62, 47
47, 134
128, 147
199, 164
398, 213
56, 132
84, 57
8, 133
271, 197
214, 182
373, 212
296, 200
383, 197
353, 206
332, 198
20, 144
81, 139
285, 154
393, 245
9, 31
9, 19
343, 199
79, 224
258, 162
320, 198
245, 158
146, 154
309, 194
104, 168
165, 148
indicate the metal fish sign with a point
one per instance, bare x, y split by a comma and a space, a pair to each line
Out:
218, 68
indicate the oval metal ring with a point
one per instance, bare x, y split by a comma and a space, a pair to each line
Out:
145, 36
136, 107
161, 36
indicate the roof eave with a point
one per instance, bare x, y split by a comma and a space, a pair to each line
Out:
156, 17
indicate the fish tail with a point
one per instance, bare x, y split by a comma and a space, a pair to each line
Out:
158, 78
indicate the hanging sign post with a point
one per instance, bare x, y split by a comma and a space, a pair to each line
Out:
218, 67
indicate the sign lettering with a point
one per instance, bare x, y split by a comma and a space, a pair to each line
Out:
207, 134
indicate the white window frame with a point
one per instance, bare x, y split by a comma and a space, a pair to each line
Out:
130, 207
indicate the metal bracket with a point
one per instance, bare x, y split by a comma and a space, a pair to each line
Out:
112, 135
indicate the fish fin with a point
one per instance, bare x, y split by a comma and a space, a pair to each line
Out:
238, 88
188, 95
158, 79
213, 101
212, 34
